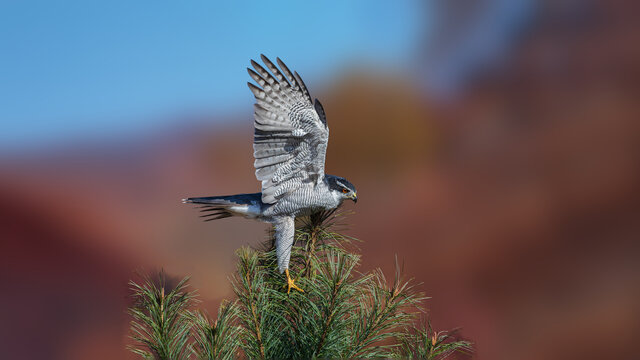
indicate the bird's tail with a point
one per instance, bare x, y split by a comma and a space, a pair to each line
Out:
219, 207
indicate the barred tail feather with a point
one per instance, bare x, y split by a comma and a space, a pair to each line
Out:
220, 207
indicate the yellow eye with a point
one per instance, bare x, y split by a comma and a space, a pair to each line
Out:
344, 191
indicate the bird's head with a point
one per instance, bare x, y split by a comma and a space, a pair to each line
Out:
342, 188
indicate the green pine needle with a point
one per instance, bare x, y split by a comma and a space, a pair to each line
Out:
422, 342
160, 327
216, 339
341, 314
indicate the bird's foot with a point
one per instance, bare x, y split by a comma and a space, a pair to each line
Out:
290, 284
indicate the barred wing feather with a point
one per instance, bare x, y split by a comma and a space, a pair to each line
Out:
291, 133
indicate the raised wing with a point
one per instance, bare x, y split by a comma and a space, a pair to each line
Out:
291, 133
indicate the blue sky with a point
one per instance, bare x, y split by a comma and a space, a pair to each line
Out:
71, 69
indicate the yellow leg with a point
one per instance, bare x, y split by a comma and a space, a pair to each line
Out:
290, 284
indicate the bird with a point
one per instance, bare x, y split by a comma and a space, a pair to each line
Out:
289, 149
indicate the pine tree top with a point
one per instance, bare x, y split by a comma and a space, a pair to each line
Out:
342, 313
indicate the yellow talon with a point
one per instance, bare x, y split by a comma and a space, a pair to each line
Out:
290, 284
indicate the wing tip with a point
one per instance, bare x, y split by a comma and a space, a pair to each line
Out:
256, 65
255, 89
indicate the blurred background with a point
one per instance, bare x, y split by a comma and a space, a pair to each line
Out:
494, 144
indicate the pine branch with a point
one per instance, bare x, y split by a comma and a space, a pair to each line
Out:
424, 343
383, 312
217, 339
159, 324
248, 286
317, 322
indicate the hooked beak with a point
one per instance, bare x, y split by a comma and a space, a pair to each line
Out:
354, 197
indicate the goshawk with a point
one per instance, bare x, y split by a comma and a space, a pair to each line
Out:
289, 147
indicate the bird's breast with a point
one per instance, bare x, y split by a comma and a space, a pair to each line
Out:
304, 201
